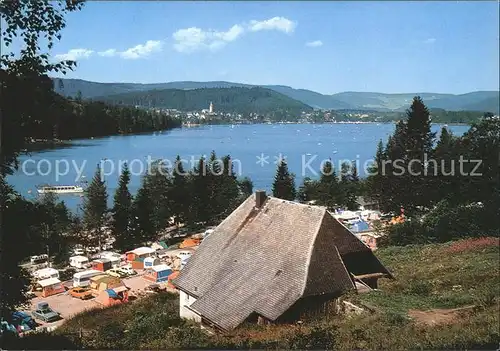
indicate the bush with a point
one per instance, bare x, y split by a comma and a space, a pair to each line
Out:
444, 223
406, 233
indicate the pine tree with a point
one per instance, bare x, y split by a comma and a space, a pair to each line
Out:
308, 191
375, 182
160, 187
229, 194
396, 175
95, 206
199, 211
122, 211
143, 228
179, 194
442, 183
328, 187
246, 187
418, 142
214, 182
347, 188
284, 183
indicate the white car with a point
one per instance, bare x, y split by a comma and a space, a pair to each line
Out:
127, 270
116, 272
78, 252
184, 255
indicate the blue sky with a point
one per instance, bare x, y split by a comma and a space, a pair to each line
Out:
329, 47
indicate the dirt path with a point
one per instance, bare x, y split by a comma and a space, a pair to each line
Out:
439, 316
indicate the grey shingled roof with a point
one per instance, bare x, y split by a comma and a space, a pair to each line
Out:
263, 260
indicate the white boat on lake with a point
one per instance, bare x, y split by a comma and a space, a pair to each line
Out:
60, 189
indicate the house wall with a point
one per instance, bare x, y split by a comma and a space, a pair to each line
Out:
184, 312
311, 307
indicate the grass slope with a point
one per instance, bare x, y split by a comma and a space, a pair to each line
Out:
242, 100
427, 277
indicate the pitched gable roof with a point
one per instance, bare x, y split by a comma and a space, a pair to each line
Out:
264, 259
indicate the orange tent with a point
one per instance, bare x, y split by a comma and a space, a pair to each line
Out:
172, 277
110, 297
189, 243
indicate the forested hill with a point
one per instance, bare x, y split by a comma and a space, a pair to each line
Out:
235, 100
483, 101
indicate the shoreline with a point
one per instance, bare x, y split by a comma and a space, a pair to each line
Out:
42, 145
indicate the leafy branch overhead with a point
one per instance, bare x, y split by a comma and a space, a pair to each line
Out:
33, 20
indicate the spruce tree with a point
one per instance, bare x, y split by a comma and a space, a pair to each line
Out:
284, 183
214, 181
246, 187
179, 194
229, 193
348, 187
143, 228
160, 186
418, 142
328, 187
95, 207
443, 182
308, 191
200, 196
396, 175
375, 182
122, 211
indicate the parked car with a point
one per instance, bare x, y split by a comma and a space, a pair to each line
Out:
184, 254
116, 272
127, 270
24, 321
82, 293
78, 252
44, 313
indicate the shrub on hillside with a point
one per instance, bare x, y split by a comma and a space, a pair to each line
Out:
444, 223
406, 233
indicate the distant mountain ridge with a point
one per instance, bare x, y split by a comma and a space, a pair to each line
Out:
487, 101
229, 99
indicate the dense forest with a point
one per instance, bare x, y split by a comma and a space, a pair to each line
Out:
231, 100
66, 118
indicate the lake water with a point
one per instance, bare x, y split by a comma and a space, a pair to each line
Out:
254, 149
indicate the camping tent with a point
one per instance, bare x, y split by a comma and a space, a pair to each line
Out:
172, 277
360, 226
102, 282
190, 242
158, 274
113, 296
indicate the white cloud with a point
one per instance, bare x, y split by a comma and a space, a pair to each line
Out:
281, 24
193, 39
107, 53
136, 52
430, 41
74, 55
314, 44
141, 50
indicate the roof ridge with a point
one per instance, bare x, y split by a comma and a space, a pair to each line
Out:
310, 250
296, 203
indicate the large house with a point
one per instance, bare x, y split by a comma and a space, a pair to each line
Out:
273, 260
